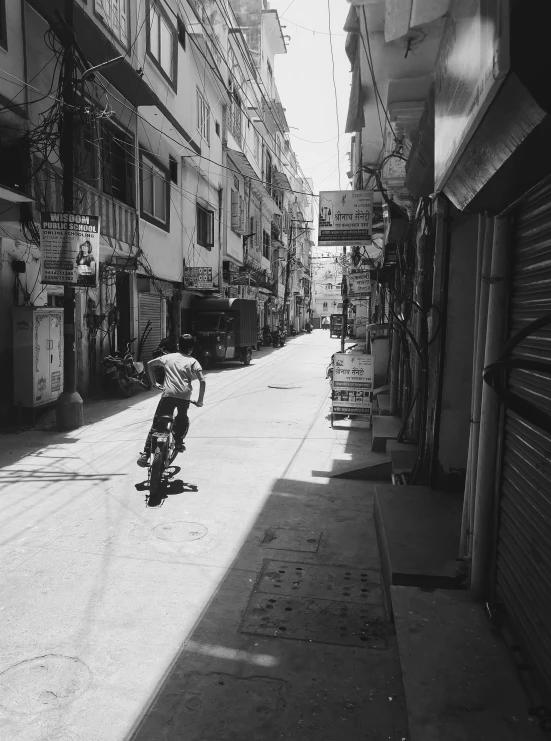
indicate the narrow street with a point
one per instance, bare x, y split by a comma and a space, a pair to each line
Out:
244, 606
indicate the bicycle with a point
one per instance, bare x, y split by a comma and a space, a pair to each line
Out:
163, 451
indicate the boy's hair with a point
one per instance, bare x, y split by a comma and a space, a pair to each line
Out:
185, 343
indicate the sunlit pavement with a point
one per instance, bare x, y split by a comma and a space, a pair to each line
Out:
121, 620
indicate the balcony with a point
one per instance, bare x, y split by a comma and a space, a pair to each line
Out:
117, 220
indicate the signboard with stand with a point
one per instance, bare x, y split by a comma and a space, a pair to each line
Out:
345, 217
69, 249
352, 384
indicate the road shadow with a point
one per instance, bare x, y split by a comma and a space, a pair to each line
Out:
169, 486
244, 673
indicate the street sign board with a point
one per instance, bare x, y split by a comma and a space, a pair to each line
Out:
359, 284
352, 383
69, 249
198, 278
345, 217
472, 62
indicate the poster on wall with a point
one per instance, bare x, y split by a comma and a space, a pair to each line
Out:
69, 249
198, 278
345, 217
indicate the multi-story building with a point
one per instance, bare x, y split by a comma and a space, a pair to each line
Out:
181, 148
326, 289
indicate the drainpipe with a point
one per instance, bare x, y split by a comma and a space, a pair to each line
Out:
483, 262
394, 358
489, 415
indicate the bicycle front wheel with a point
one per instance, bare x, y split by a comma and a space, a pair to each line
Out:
155, 473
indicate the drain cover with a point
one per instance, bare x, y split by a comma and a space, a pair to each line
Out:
321, 621
180, 531
43, 683
343, 583
285, 539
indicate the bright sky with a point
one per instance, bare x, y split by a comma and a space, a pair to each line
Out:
304, 80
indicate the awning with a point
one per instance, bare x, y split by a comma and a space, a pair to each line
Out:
282, 181
14, 195
242, 164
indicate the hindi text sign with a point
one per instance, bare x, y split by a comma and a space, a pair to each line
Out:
352, 383
345, 217
69, 249
359, 284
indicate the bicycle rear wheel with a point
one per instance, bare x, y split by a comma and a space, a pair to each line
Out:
155, 473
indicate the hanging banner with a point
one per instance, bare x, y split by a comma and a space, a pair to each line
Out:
198, 278
345, 217
69, 249
359, 284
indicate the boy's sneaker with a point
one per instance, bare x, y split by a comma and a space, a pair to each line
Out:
179, 446
143, 460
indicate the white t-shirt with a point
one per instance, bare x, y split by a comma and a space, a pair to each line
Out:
180, 371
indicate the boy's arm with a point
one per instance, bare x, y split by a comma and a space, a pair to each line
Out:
156, 362
202, 388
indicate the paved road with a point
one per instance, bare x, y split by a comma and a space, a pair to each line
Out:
230, 611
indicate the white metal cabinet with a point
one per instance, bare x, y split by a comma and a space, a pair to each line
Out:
37, 355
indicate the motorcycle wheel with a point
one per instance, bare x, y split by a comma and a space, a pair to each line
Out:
155, 473
248, 356
124, 385
145, 381
207, 363
281, 343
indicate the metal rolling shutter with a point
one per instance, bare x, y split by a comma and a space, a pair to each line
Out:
523, 563
150, 309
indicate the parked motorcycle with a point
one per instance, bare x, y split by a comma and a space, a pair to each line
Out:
122, 371
308, 327
279, 335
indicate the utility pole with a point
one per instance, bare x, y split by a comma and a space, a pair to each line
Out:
69, 411
344, 300
288, 275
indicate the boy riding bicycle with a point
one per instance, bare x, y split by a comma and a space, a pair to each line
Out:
180, 371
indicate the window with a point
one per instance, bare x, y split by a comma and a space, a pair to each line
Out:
118, 160
256, 148
114, 13
325, 305
3, 29
155, 192
173, 169
217, 128
203, 117
265, 244
329, 286
182, 33
235, 118
86, 154
162, 40
205, 227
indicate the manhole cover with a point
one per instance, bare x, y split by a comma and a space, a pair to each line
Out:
321, 621
43, 683
343, 583
286, 539
180, 531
